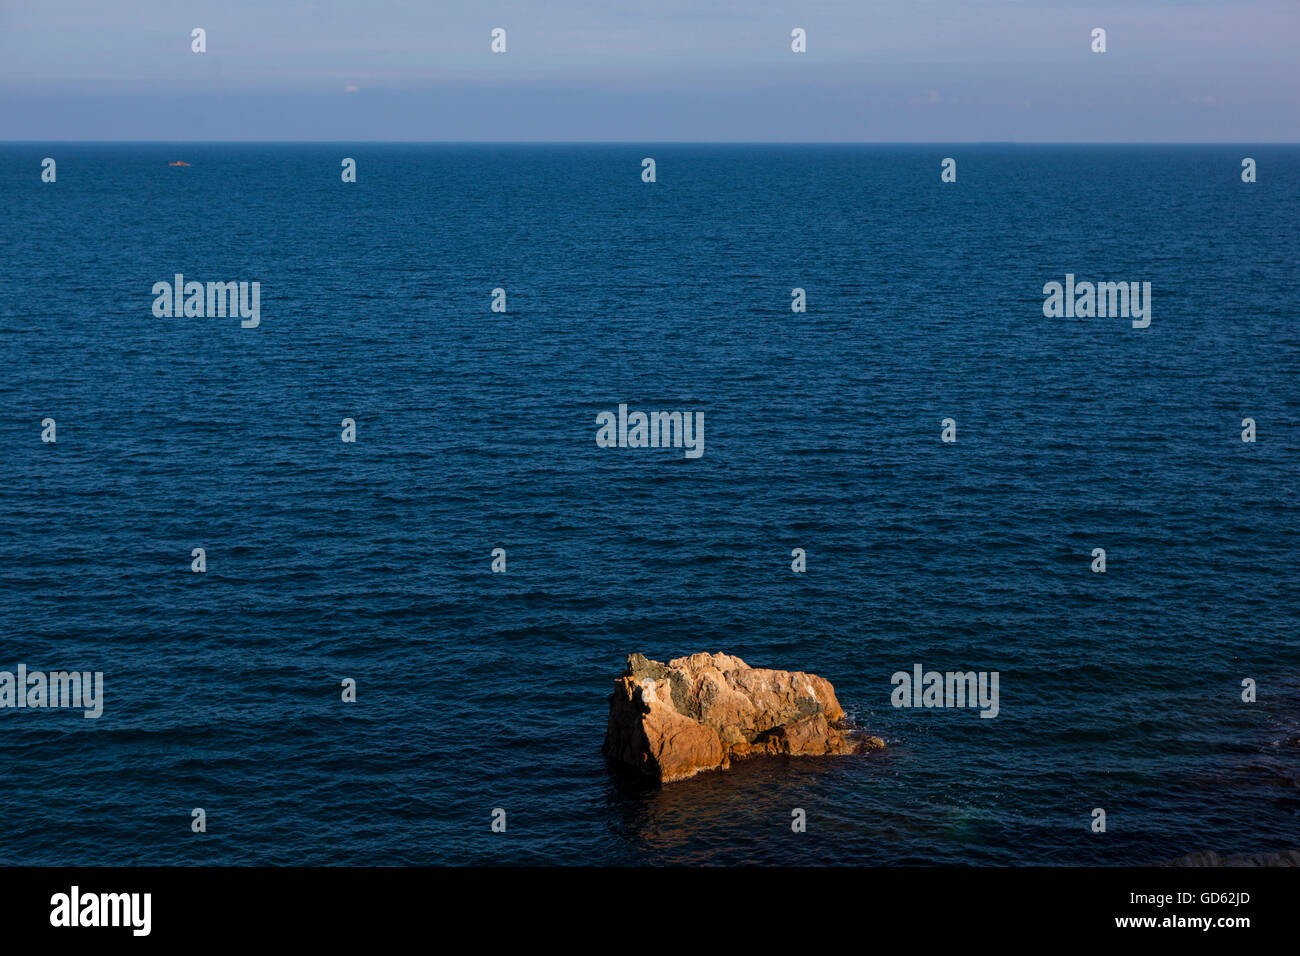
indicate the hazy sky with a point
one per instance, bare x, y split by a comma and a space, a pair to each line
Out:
687, 70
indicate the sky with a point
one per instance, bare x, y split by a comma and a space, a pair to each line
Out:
651, 71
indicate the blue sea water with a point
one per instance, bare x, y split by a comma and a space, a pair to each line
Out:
476, 430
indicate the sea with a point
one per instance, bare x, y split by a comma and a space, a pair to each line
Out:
1163, 691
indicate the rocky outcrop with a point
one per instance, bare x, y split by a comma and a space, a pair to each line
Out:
670, 721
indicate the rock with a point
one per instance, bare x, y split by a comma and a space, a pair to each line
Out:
670, 721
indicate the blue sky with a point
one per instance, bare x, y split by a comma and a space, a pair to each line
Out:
587, 70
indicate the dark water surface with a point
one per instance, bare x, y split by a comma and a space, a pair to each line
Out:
477, 430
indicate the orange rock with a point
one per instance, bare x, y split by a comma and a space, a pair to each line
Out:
670, 721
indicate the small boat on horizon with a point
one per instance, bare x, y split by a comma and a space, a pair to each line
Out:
179, 162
